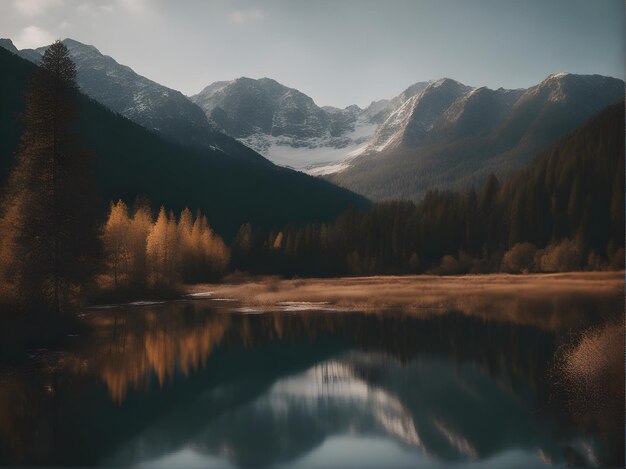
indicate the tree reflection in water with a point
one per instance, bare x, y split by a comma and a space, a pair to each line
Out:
193, 377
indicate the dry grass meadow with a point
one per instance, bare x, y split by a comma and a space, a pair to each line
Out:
549, 301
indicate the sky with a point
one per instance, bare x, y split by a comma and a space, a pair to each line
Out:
338, 52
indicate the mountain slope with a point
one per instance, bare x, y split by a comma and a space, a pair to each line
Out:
457, 137
282, 123
575, 188
158, 108
132, 161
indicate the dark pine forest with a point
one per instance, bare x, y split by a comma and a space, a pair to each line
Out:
563, 212
83, 190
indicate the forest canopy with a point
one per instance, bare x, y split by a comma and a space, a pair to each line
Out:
141, 252
563, 212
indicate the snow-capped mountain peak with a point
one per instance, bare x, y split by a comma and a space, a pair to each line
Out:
282, 123
414, 118
138, 98
8, 45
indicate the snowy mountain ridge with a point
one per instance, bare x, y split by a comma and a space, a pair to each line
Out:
284, 124
290, 129
143, 101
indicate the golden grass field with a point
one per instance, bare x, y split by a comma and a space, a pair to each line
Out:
548, 301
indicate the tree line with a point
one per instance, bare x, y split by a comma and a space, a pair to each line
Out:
55, 255
142, 252
47, 221
563, 212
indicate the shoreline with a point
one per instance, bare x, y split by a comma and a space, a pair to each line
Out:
542, 300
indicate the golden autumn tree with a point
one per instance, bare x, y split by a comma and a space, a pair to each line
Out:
162, 250
116, 237
140, 227
214, 252
194, 267
172, 243
278, 241
186, 244
156, 248
143, 253
209, 256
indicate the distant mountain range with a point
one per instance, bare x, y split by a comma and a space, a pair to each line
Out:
230, 183
450, 136
436, 134
284, 124
163, 110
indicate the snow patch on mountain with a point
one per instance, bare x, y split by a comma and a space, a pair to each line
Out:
285, 125
314, 155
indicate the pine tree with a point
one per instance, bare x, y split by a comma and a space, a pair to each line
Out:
50, 199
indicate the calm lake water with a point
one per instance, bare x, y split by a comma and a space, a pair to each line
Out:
203, 383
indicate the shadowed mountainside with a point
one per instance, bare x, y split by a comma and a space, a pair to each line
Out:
132, 161
449, 136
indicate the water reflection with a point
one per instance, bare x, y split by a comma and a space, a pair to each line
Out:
129, 349
191, 383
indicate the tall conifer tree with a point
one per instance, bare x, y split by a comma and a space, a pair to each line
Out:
51, 183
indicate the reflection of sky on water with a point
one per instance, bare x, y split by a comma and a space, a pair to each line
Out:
365, 410
368, 452
183, 385
186, 458
349, 451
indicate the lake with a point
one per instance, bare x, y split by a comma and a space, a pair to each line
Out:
211, 381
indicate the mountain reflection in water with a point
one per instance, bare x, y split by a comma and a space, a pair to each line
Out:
191, 383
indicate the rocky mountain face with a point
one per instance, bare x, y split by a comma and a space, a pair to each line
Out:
284, 124
245, 106
439, 133
8, 45
131, 161
436, 134
448, 135
439, 110
163, 110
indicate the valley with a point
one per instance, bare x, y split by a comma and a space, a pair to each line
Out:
439, 134
347, 234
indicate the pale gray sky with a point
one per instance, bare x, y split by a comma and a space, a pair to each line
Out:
338, 52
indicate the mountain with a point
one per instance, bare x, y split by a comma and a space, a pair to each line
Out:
8, 45
325, 376
575, 188
284, 124
448, 135
132, 161
158, 108
440, 110
568, 203
416, 114
435, 134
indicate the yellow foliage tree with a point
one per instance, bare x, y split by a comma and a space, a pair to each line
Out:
164, 252
172, 250
116, 239
141, 224
186, 243
156, 248
215, 253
